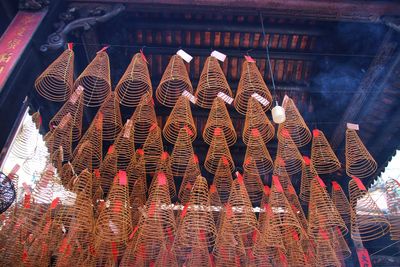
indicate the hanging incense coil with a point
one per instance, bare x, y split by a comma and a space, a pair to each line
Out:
136, 169
257, 119
67, 174
263, 203
253, 183
216, 204
392, 196
219, 118
265, 255
325, 253
251, 81
199, 257
339, 244
322, 156
321, 211
174, 81
294, 202
153, 148
138, 198
61, 136
188, 180
288, 155
218, 150
308, 173
212, 81
125, 146
108, 168
367, 221
112, 121
294, 125
23, 146
270, 233
180, 117
56, 82
96, 80
257, 160
182, 153
164, 166
134, 83
143, 118
341, 202
294, 251
83, 158
166, 257
359, 161
223, 180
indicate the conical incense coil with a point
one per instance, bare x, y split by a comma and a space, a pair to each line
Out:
294, 202
264, 201
288, 155
108, 168
212, 81
251, 81
136, 168
321, 211
153, 148
143, 118
309, 248
57, 158
359, 161
134, 83
367, 221
215, 201
67, 174
112, 121
199, 257
138, 198
265, 255
74, 106
182, 152
108, 253
166, 257
174, 81
294, 251
114, 222
219, 118
392, 196
61, 136
164, 166
125, 146
83, 158
253, 183
96, 80
56, 82
339, 244
308, 173
257, 159
341, 202
270, 233
257, 119
294, 124
191, 173
180, 117
94, 135
218, 150
23, 146
325, 253
223, 180
322, 156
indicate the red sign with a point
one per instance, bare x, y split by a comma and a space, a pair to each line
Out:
15, 40
363, 257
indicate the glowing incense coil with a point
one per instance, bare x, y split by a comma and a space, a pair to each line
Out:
392, 199
341, 202
288, 155
253, 183
219, 118
180, 117
134, 83
322, 156
215, 201
257, 119
125, 146
212, 81
56, 82
257, 159
108, 168
218, 150
153, 148
189, 178
96, 80
112, 121
307, 175
359, 161
174, 81
182, 152
367, 221
143, 118
164, 166
61, 136
223, 180
251, 81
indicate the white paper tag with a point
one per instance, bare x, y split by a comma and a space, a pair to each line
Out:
260, 99
353, 126
285, 99
226, 98
189, 96
218, 55
185, 56
128, 126
76, 94
64, 120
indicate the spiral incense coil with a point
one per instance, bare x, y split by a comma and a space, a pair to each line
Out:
219, 118
308, 173
265, 255
322, 212
61, 136
367, 221
257, 160
392, 196
251, 81
138, 198
153, 148
223, 180
359, 161
189, 178
215, 201
253, 183
164, 166
264, 201
83, 158
294, 251
322, 156
56, 82
112, 121
182, 152
143, 118
125, 146
289, 156
270, 234
134, 83
325, 253
96, 80
67, 175
114, 222
294, 202
23, 146
341, 202
108, 168
180, 117
218, 150
174, 81
294, 125
212, 81
166, 257
56, 159
136, 169
198, 257
339, 244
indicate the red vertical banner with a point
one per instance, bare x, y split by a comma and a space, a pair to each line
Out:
363, 257
15, 39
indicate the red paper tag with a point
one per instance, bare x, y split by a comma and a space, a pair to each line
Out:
255, 132
295, 235
359, 183
162, 179
213, 188
249, 59
54, 203
247, 161
315, 132
321, 183
153, 126
140, 151
268, 209
117, 206
237, 261
282, 258
195, 159
229, 211
323, 234
277, 184
335, 186
143, 56
27, 201
24, 256
306, 160
111, 149
103, 49
281, 162
202, 235
224, 160
152, 208
267, 190
212, 262
285, 133
291, 190
250, 254
184, 210
152, 264
363, 257
63, 246
188, 186
294, 208
97, 173
164, 155
254, 236
13, 171
239, 178
170, 234
217, 131
133, 233
47, 227
70, 46
122, 178
189, 132
114, 250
